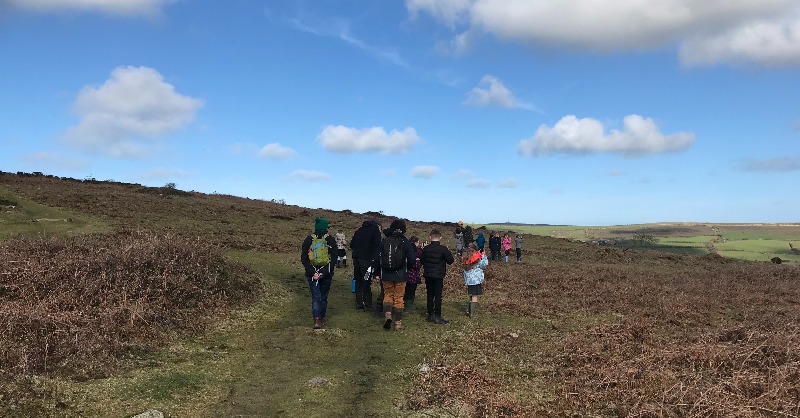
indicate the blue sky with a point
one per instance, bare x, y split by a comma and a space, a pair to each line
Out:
589, 112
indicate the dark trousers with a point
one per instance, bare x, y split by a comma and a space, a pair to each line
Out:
363, 287
519, 254
319, 295
495, 255
411, 291
434, 288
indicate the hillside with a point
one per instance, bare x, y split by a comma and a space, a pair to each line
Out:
575, 330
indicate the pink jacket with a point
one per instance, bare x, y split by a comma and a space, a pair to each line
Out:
506, 243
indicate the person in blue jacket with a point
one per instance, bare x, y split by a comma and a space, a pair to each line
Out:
480, 241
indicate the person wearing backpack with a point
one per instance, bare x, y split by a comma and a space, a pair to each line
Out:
317, 253
396, 257
364, 247
434, 258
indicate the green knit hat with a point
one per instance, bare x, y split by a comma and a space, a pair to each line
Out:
320, 224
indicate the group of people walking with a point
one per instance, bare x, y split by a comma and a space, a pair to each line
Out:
398, 263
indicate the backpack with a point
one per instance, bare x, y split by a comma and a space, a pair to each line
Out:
393, 253
318, 252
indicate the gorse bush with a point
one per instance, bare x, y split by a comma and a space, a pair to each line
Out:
73, 306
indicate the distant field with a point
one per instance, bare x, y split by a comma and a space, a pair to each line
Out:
756, 242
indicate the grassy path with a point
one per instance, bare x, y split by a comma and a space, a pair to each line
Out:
360, 370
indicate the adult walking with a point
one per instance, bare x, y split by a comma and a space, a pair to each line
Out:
396, 257
317, 253
364, 248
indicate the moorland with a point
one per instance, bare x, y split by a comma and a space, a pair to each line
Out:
116, 298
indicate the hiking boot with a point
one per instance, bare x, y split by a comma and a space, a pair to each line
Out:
387, 325
440, 321
317, 323
398, 326
431, 318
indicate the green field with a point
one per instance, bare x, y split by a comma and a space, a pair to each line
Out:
755, 242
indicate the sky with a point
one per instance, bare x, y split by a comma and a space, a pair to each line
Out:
581, 112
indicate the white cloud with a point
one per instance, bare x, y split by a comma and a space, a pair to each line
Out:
51, 159
164, 174
424, 171
494, 93
116, 7
464, 174
341, 139
479, 184
639, 136
509, 183
774, 43
122, 117
771, 165
309, 175
448, 11
276, 151
752, 30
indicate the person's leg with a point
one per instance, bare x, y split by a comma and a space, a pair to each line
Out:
409, 296
399, 304
358, 275
324, 289
390, 296
438, 289
313, 287
431, 295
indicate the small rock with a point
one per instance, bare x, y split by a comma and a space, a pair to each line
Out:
150, 413
424, 368
514, 335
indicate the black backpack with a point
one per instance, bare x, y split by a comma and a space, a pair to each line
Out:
393, 253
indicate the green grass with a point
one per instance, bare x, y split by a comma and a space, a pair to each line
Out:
31, 219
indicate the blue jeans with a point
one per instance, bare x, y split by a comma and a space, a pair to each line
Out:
319, 295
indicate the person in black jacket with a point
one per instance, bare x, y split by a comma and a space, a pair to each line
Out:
364, 248
435, 258
319, 277
394, 280
494, 246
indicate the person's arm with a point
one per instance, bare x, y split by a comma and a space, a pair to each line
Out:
448, 256
304, 248
333, 253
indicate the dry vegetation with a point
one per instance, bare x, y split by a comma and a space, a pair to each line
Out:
576, 330
627, 334
75, 307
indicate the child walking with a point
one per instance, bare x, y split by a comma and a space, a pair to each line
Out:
435, 258
413, 277
506, 245
474, 261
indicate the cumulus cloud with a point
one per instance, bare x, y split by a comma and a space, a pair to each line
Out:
492, 92
729, 31
638, 137
341, 139
479, 184
128, 111
276, 151
116, 7
424, 171
771, 165
774, 43
509, 183
309, 175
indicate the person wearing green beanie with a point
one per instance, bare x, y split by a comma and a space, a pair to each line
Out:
319, 276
